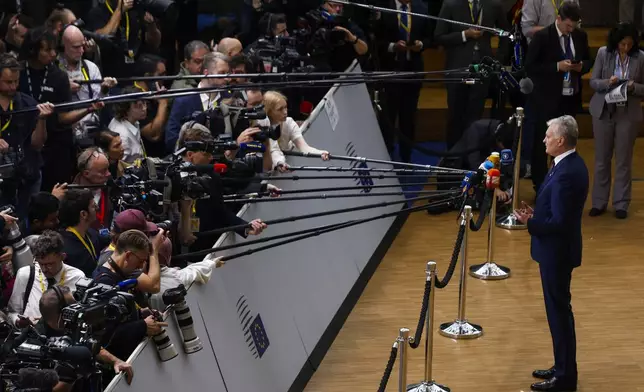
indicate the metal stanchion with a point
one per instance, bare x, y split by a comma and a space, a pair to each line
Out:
490, 270
428, 385
461, 328
403, 346
509, 221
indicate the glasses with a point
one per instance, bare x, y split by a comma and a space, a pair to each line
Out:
139, 258
95, 154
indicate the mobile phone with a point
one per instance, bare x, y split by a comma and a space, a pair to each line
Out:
411, 43
575, 61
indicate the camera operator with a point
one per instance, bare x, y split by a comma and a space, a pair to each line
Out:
94, 169
290, 135
51, 304
211, 213
173, 277
184, 107
24, 132
130, 219
82, 242
31, 281
126, 123
193, 59
71, 61
43, 214
121, 19
354, 38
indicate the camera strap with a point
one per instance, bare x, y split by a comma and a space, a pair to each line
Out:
116, 268
30, 285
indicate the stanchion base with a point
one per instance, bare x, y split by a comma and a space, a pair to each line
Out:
427, 387
461, 329
510, 222
489, 271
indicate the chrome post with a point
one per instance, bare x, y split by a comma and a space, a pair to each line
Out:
461, 328
428, 385
510, 222
490, 270
403, 347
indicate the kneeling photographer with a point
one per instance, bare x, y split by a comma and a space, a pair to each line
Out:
52, 325
208, 213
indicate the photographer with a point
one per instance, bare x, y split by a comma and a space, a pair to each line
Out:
31, 282
82, 243
21, 133
184, 107
94, 169
132, 250
355, 44
126, 123
211, 213
51, 325
111, 145
193, 59
130, 219
43, 213
129, 26
291, 135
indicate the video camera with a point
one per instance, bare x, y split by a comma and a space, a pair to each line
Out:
134, 190
215, 119
99, 308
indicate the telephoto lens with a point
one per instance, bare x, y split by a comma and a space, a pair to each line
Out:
165, 348
177, 297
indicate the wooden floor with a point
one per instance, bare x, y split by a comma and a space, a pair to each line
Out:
608, 301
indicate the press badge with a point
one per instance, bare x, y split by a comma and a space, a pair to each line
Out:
567, 86
194, 219
104, 232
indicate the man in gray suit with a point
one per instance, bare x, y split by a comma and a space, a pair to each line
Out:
465, 46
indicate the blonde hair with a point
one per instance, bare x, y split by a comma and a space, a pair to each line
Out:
272, 100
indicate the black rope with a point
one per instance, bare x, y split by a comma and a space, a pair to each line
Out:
423, 315
484, 210
390, 366
441, 284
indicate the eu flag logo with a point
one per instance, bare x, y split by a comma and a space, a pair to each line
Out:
258, 333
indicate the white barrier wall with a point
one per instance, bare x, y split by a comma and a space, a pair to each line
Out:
265, 319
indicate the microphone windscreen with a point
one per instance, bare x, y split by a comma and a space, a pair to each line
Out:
506, 157
526, 85
220, 168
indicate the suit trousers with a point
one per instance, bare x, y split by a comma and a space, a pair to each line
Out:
402, 104
616, 133
465, 104
567, 105
555, 281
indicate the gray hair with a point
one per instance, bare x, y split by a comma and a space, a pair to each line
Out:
210, 60
192, 47
566, 127
87, 157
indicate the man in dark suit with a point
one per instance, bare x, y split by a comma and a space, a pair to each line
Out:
555, 227
401, 40
465, 46
557, 58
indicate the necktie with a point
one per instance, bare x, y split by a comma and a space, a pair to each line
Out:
568, 47
51, 282
403, 26
574, 82
475, 11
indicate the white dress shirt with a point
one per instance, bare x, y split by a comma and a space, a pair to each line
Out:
130, 137
72, 275
172, 277
290, 132
391, 44
559, 157
208, 102
562, 42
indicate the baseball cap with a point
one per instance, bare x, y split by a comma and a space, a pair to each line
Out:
133, 220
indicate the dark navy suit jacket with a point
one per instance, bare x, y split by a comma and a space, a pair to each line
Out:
556, 224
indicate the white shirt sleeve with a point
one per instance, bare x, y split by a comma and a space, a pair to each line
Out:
277, 155
196, 273
293, 131
72, 276
16, 301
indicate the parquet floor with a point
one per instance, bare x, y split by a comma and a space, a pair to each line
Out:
608, 301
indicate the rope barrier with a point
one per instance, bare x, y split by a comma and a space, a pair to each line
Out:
423, 315
441, 284
390, 366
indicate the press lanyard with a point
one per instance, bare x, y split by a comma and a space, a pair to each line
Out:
476, 20
6, 125
127, 25
139, 87
44, 81
42, 281
623, 67
557, 6
89, 247
85, 76
405, 26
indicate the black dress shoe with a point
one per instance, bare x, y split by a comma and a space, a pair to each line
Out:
544, 374
621, 214
554, 385
596, 211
